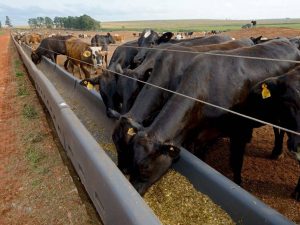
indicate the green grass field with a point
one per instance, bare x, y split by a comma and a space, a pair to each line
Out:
195, 25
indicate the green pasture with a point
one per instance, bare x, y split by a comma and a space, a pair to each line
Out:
195, 25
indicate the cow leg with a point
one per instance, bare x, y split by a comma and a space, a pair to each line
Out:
66, 64
296, 193
52, 56
237, 149
278, 143
85, 71
105, 58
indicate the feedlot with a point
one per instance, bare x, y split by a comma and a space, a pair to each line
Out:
272, 181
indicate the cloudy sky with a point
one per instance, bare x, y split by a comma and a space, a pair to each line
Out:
121, 10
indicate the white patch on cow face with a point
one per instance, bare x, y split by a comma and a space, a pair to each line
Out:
97, 56
147, 34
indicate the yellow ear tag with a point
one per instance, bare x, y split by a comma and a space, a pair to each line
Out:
86, 54
131, 132
89, 86
265, 91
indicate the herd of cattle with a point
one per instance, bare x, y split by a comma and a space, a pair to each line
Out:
153, 124
86, 57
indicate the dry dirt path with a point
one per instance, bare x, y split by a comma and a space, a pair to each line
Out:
35, 183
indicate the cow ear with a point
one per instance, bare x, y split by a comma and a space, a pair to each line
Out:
256, 40
272, 88
132, 126
165, 37
171, 150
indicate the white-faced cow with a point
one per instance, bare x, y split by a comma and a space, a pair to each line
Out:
103, 41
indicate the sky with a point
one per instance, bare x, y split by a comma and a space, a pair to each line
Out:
19, 11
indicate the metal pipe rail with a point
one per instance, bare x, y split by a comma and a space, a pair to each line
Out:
115, 199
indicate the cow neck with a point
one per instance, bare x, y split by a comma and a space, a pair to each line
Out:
170, 125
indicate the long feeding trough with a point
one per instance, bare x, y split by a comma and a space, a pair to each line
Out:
74, 109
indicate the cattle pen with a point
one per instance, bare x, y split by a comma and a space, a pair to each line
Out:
109, 190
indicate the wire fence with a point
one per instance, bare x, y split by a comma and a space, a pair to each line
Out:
192, 98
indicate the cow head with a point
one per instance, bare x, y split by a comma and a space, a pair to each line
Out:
36, 58
151, 160
149, 39
125, 130
108, 87
140, 156
110, 39
280, 97
295, 41
94, 56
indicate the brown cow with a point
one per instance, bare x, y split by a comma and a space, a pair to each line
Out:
30, 39
82, 55
119, 38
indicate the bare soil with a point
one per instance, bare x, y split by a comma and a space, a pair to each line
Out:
37, 185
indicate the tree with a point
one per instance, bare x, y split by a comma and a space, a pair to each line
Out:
32, 22
84, 22
7, 22
58, 22
0, 24
40, 22
48, 22
88, 23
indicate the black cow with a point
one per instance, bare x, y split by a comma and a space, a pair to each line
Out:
103, 41
143, 112
150, 39
277, 100
175, 56
223, 81
50, 47
189, 34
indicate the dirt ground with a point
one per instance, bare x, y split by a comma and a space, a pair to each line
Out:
35, 182
272, 181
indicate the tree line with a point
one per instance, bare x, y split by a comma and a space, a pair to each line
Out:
83, 22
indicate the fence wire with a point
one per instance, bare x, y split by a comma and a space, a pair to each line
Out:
189, 97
